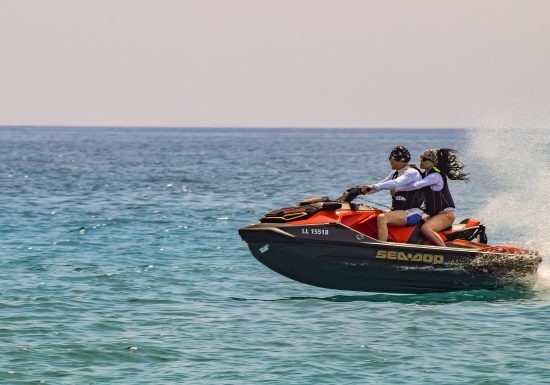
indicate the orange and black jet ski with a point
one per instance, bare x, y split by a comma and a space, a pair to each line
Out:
332, 244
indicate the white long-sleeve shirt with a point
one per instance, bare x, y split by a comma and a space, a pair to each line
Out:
405, 177
434, 180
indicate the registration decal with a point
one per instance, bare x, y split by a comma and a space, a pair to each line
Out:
314, 231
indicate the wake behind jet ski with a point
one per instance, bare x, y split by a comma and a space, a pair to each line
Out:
333, 244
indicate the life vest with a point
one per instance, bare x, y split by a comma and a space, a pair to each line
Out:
405, 200
437, 201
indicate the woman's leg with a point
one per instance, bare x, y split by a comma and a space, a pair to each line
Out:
396, 218
437, 223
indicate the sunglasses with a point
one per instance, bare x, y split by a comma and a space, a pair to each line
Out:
422, 159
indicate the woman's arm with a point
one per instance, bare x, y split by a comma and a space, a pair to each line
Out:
430, 180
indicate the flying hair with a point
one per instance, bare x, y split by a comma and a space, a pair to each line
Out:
449, 165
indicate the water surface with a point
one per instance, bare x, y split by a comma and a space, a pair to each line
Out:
121, 264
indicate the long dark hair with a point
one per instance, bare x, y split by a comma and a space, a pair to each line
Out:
449, 165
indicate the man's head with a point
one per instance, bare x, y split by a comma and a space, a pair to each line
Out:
399, 157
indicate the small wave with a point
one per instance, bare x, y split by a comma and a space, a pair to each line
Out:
511, 294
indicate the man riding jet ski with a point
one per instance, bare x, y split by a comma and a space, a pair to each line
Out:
406, 203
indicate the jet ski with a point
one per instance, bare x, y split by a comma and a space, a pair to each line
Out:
333, 244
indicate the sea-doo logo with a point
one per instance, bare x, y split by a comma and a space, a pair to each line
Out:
434, 259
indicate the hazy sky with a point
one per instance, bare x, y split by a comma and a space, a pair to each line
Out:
283, 63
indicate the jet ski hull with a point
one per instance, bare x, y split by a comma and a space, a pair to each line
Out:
334, 256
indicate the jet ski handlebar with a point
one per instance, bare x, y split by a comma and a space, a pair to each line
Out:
353, 192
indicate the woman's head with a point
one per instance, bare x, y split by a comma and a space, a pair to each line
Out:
428, 159
446, 161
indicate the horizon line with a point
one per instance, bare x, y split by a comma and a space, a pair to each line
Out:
230, 127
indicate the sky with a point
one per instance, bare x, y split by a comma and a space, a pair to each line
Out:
283, 63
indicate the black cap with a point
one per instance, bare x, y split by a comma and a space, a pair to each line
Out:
400, 154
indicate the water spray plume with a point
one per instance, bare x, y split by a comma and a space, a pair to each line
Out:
512, 168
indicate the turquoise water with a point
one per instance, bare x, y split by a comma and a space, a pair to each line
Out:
121, 264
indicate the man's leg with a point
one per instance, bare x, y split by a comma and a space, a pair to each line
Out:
396, 218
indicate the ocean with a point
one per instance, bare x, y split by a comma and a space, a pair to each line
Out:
121, 261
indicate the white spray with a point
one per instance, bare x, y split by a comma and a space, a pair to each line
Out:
512, 167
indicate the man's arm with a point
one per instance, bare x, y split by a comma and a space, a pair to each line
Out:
406, 178
369, 188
